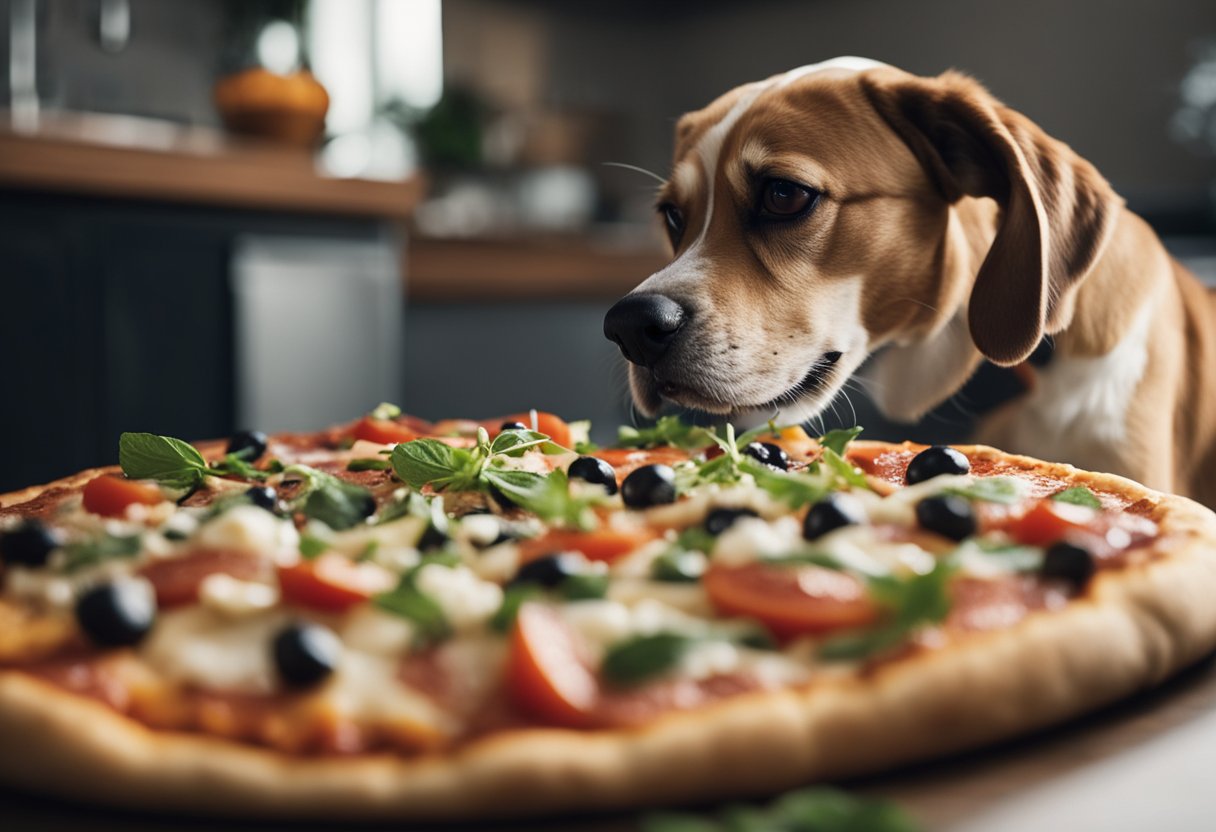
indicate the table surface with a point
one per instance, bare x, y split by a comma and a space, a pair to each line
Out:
124, 157
1147, 760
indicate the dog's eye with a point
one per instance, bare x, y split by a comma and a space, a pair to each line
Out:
782, 199
673, 218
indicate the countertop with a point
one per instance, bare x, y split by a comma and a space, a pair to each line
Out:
528, 267
133, 158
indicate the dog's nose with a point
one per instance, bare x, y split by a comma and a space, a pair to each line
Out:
643, 326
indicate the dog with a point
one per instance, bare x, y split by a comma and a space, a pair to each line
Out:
849, 208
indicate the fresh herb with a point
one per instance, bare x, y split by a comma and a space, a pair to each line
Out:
235, 465
818, 809
668, 430
515, 441
548, 497
584, 587
793, 488
274, 466
643, 657
175, 464
312, 546
837, 440
335, 502
513, 598
385, 411
369, 551
368, 463
842, 470
98, 551
1006, 490
1078, 495
910, 603
429, 461
411, 603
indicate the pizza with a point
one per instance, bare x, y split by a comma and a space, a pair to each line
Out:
394, 618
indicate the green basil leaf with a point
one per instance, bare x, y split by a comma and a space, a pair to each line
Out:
795, 489
833, 810
1078, 495
641, 658
548, 497
312, 547
668, 430
333, 501
385, 411
96, 552
837, 440
235, 465
514, 442
427, 461
368, 463
844, 470
911, 603
1006, 490
171, 462
696, 539
584, 587
409, 602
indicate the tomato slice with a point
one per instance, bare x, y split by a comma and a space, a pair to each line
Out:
546, 676
382, 431
109, 495
552, 426
627, 460
790, 600
177, 580
603, 544
1050, 521
332, 582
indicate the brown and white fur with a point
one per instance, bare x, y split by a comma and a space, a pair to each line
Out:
949, 230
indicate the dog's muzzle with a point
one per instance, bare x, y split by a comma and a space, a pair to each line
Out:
644, 326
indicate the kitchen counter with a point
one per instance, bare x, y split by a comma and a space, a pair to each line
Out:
124, 157
527, 268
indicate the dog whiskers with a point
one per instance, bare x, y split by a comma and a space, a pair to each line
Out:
637, 169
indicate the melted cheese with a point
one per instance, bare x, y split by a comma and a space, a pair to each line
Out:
466, 600
198, 646
250, 529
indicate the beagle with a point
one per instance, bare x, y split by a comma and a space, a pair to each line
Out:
848, 207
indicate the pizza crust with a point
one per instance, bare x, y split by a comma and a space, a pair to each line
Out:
1132, 629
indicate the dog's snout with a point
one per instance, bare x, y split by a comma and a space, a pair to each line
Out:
643, 326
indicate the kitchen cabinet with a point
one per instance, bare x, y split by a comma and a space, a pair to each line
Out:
120, 315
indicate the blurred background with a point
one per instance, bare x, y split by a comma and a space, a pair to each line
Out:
278, 213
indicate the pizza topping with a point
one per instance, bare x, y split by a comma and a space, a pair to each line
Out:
650, 485
595, 471
751, 561
768, 454
640, 658
29, 543
117, 614
948, 515
111, 496
233, 597
335, 502
935, 461
1068, 562
834, 511
720, 519
249, 445
305, 653
264, 497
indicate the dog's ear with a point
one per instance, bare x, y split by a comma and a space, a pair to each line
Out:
1057, 211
